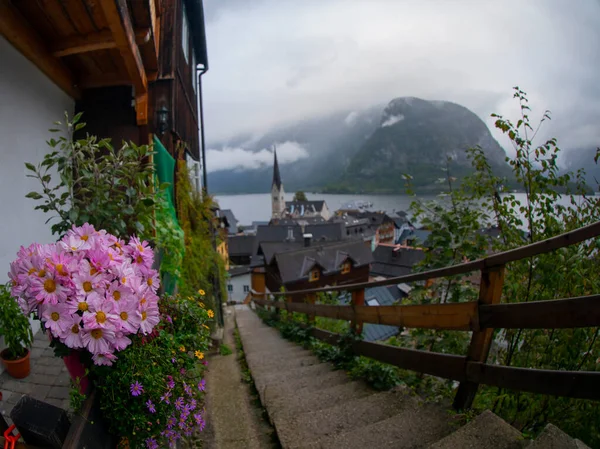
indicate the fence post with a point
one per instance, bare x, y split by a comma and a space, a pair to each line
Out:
490, 292
311, 298
358, 299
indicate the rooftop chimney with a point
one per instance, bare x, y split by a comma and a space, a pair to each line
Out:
307, 240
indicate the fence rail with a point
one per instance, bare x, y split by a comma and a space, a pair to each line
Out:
481, 317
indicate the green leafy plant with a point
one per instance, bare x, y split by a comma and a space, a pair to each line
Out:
98, 184
225, 350
14, 326
169, 239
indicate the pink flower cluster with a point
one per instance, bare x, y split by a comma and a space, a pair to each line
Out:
90, 290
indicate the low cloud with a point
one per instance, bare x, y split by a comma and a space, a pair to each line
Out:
229, 158
392, 120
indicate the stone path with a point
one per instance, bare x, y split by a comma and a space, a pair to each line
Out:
233, 421
313, 406
49, 380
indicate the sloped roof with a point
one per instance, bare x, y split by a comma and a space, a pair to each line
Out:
293, 206
241, 245
419, 235
292, 263
276, 174
384, 296
238, 271
231, 220
392, 261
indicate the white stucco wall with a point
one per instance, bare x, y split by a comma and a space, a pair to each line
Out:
29, 104
236, 291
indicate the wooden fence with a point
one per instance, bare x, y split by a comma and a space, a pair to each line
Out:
481, 317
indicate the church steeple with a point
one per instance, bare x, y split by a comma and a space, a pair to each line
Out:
276, 174
277, 193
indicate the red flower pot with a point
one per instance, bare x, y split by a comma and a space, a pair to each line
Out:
19, 369
77, 369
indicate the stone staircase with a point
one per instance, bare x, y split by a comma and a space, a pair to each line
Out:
313, 406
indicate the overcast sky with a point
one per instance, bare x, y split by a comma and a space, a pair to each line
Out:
273, 61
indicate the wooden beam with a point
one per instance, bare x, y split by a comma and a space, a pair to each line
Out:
101, 40
490, 292
119, 22
19, 33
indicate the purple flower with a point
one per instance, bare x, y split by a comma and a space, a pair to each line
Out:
173, 360
165, 397
169, 319
198, 418
202, 385
150, 406
182, 371
192, 405
171, 384
205, 362
136, 388
171, 422
151, 443
187, 388
179, 403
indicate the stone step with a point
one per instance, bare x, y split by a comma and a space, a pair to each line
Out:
297, 430
269, 379
554, 438
317, 400
486, 431
302, 385
278, 348
414, 427
261, 364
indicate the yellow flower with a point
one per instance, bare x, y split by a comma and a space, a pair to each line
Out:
211, 314
182, 348
201, 292
206, 326
202, 305
199, 354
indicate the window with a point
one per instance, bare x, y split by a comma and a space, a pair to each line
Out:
229, 288
314, 275
185, 35
246, 288
346, 266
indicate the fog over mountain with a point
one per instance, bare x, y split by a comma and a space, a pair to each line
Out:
277, 66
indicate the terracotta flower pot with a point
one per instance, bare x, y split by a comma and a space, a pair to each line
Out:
19, 368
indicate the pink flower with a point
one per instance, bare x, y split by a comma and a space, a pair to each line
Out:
118, 292
124, 273
100, 314
86, 234
47, 289
140, 252
62, 264
150, 318
106, 359
121, 341
98, 341
86, 283
148, 299
78, 304
152, 280
128, 315
74, 243
72, 334
56, 318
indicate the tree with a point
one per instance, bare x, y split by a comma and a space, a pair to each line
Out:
300, 196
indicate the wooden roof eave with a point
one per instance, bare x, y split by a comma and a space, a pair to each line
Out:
15, 29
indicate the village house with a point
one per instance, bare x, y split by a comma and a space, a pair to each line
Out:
132, 68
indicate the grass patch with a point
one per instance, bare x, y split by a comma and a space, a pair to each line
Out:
225, 350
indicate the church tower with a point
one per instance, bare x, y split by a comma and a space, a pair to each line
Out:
277, 194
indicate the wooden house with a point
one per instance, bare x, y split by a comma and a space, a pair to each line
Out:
132, 67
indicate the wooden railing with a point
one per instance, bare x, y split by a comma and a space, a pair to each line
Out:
481, 317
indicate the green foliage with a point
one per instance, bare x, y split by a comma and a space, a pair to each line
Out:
76, 399
110, 189
300, 196
225, 350
14, 326
203, 266
169, 238
554, 203
170, 351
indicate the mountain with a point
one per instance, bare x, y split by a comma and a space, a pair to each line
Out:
368, 150
330, 142
417, 137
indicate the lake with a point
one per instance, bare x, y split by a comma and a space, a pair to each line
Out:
257, 206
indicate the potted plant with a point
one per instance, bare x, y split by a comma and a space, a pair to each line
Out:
16, 330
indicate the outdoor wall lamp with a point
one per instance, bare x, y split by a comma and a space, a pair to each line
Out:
162, 117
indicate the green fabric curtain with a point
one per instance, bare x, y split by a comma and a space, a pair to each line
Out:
164, 167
